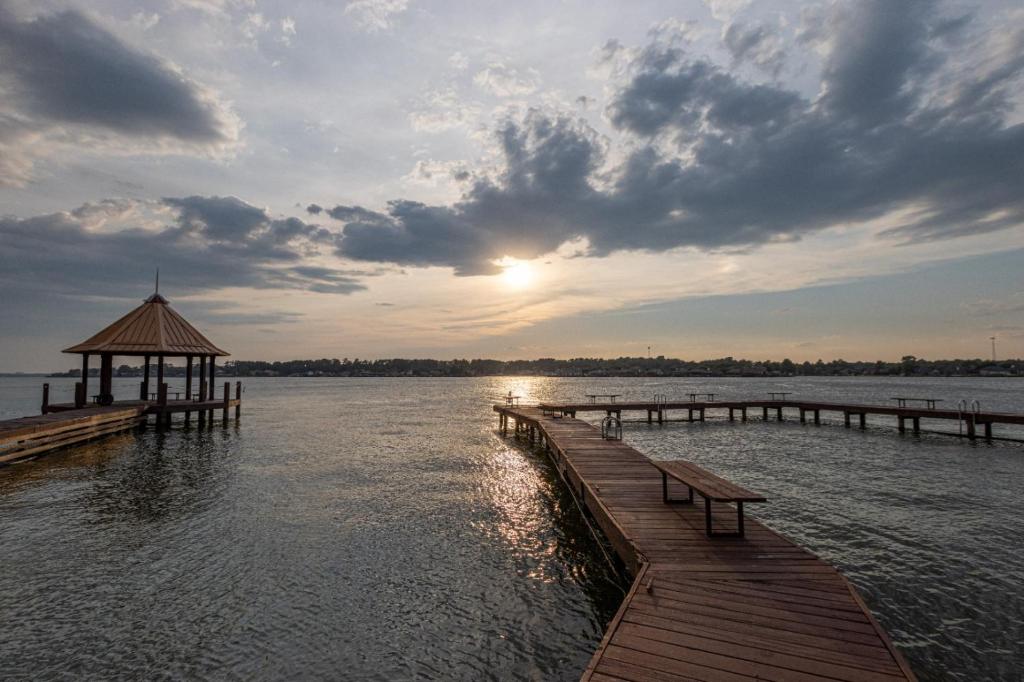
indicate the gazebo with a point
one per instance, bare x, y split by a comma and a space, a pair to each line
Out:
152, 329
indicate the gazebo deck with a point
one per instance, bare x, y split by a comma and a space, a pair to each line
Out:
153, 406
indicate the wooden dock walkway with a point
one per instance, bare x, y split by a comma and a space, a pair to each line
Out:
31, 436
968, 420
700, 608
62, 425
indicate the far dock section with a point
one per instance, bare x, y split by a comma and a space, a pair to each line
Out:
31, 436
967, 418
739, 604
65, 425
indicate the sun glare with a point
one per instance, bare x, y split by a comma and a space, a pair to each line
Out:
517, 275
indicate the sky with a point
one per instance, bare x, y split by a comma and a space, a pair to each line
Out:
416, 178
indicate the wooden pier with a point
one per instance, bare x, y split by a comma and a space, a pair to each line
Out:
32, 436
64, 424
700, 607
968, 421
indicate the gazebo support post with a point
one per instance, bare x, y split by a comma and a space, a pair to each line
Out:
188, 385
145, 379
161, 394
106, 374
82, 400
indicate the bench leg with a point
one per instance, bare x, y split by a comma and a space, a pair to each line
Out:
739, 533
664, 492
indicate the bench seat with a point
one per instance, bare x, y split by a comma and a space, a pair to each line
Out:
711, 487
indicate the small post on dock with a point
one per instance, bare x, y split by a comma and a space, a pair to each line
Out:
213, 384
900, 425
846, 419
238, 397
765, 413
661, 416
778, 413
917, 425
817, 417
650, 416
701, 414
46, 398
803, 416
863, 420
971, 433
731, 417
743, 414
227, 401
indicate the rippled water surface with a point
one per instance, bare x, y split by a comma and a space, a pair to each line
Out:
379, 529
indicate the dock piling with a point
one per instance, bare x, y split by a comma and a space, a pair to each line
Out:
46, 399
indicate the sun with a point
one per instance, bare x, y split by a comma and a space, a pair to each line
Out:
517, 275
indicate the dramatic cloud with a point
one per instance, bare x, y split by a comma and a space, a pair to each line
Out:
755, 43
200, 243
909, 123
65, 76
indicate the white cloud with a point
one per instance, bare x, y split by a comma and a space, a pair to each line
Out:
287, 30
458, 61
376, 15
507, 81
253, 25
442, 110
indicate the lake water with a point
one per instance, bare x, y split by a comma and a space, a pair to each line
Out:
380, 529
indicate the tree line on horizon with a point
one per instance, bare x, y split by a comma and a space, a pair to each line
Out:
597, 367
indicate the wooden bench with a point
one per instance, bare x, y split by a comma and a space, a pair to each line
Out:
929, 402
711, 487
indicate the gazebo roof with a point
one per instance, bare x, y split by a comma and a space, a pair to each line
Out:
154, 328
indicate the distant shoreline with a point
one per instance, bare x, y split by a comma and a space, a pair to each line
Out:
625, 367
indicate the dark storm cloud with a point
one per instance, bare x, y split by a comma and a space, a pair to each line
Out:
65, 68
210, 243
906, 122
